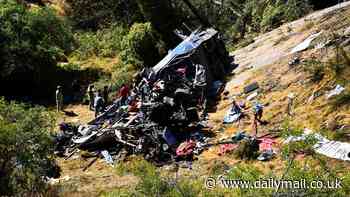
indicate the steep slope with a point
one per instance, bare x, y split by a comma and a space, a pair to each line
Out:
266, 61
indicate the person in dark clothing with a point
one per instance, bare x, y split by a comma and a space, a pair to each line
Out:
258, 110
63, 137
91, 97
236, 108
105, 94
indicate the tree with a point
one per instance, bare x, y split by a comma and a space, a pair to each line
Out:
163, 19
32, 42
25, 149
140, 46
93, 15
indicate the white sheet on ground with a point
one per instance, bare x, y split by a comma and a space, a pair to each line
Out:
336, 91
252, 96
306, 43
329, 148
333, 149
231, 118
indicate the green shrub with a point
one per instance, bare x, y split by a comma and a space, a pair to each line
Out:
247, 172
272, 16
105, 42
340, 62
316, 68
247, 149
287, 130
217, 167
295, 9
92, 15
29, 35
336, 67
341, 100
278, 12
152, 183
140, 46
305, 146
122, 76
26, 149
308, 170
32, 42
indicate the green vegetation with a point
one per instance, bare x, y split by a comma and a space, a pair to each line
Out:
316, 69
247, 149
335, 68
26, 149
102, 43
32, 42
236, 18
128, 47
140, 38
279, 12
35, 39
340, 62
305, 146
295, 171
163, 17
40, 50
341, 100
93, 15
152, 183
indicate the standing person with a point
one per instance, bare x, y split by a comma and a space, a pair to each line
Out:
59, 99
258, 110
99, 103
123, 94
290, 104
105, 94
238, 109
91, 97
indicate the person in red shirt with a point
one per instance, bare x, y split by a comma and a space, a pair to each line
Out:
123, 93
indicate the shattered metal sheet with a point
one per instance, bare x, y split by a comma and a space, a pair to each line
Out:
187, 46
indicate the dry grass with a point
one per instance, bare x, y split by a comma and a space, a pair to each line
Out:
105, 64
84, 115
96, 179
305, 114
59, 5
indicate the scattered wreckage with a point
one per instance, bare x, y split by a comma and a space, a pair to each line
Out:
165, 112
165, 116
332, 149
